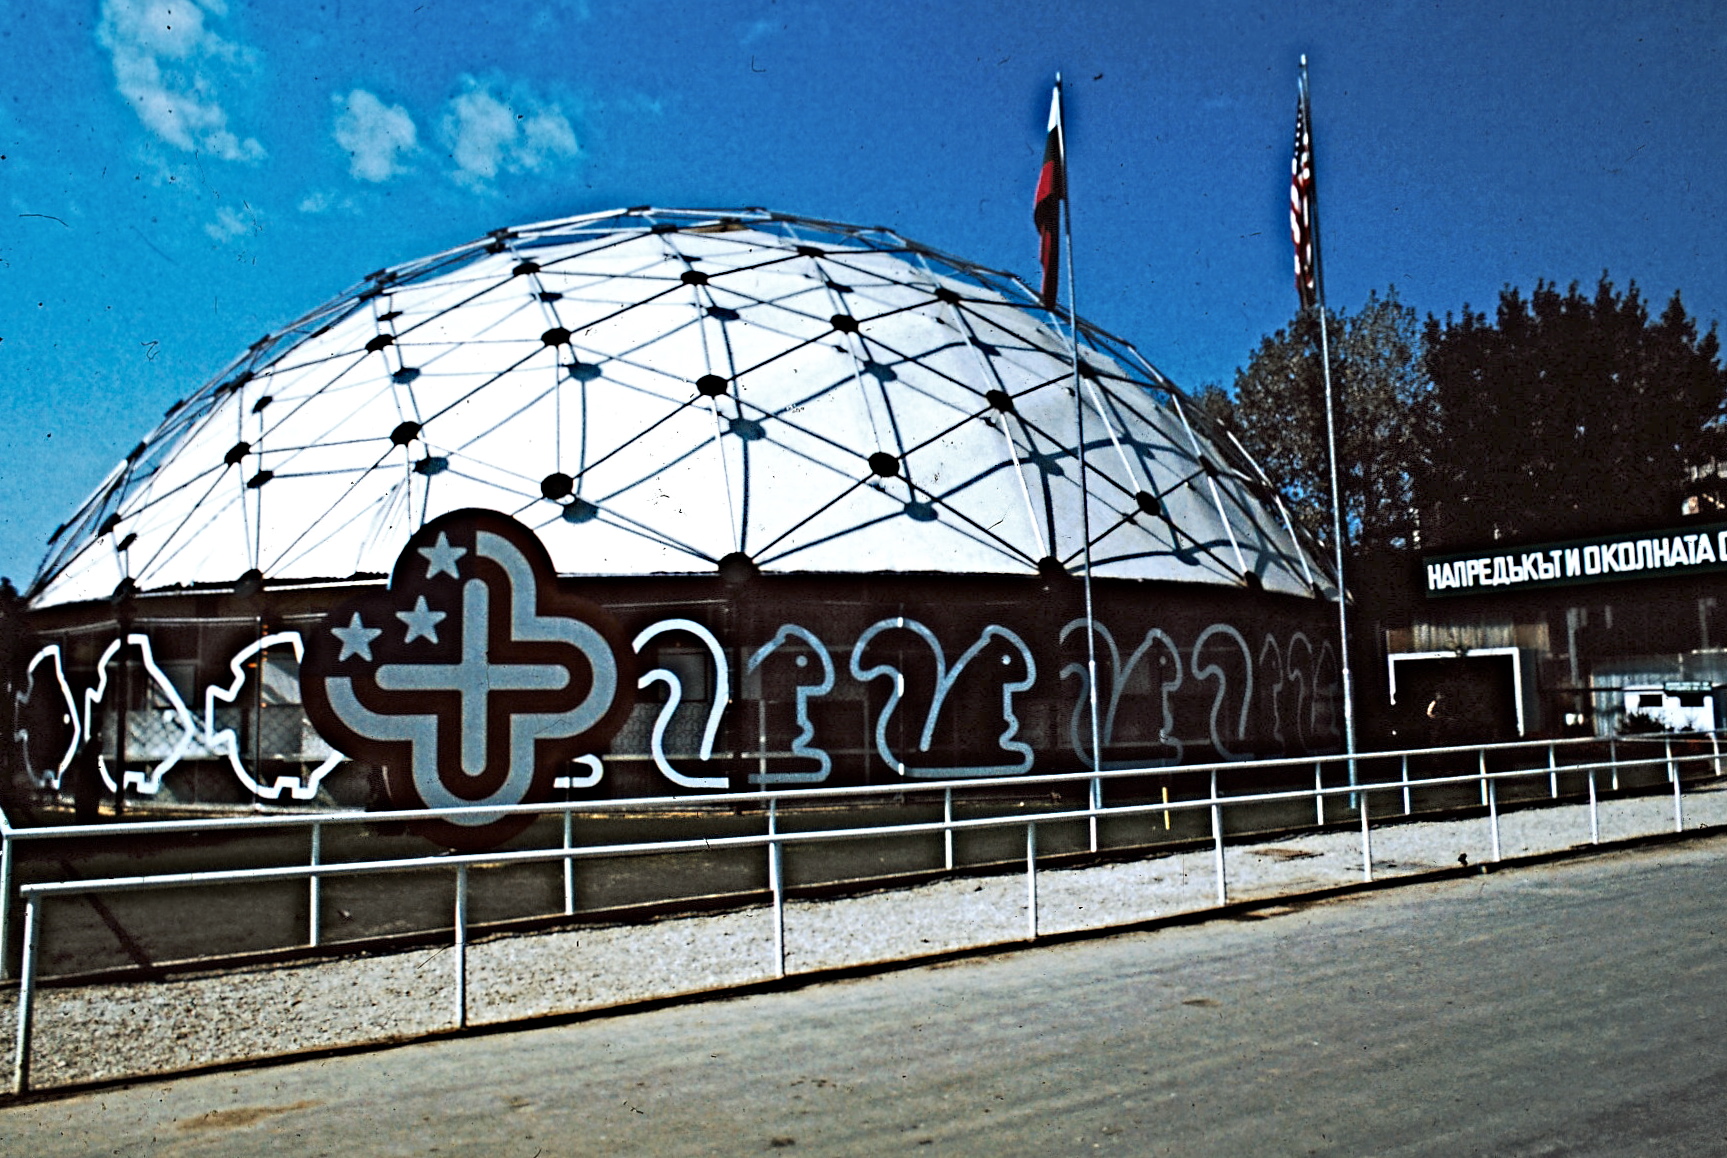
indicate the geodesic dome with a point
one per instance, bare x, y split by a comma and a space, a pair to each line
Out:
663, 391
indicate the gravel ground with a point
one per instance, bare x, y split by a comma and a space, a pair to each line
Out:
109, 1031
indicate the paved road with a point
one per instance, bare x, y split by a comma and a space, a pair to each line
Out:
1574, 1009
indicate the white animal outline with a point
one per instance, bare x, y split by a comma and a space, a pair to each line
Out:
226, 743
674, 696
52, 779
945, 678
149, 783
1212, 669
806, 692
1119, 677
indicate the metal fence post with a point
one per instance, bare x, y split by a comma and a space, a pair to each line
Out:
1031, 881
6, 845
777, 886
26, 996
1715, 747
1552, 773
1217, 843
1481, 764
569, 871
1318, 794
1366, 842
314, 885
1096, 796
947, 819
1667, 747
1673, 772
1594, 812
1493, 813
1613, 760
461, 946
1406, 808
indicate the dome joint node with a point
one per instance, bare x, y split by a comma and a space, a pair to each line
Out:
737, 568
884, 464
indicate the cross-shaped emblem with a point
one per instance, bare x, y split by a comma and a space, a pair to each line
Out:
473, 680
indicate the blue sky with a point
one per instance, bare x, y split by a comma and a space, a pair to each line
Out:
182, 176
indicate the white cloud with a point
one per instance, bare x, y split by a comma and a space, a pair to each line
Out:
161, 50
231, 223
375, 135
324, 201
486, 136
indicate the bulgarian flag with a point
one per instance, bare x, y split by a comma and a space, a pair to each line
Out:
1051, 192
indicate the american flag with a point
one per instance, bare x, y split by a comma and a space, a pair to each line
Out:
1303, 224
1051, 190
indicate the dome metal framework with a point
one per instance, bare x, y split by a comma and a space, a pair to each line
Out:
659, 391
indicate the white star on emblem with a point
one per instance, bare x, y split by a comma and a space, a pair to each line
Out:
422, 621
441, 557
356, 639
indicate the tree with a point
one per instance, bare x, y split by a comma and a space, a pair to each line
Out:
1567, 415
1382, 412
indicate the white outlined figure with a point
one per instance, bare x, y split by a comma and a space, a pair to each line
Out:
1121, 676
1212, 669
147, 783
945, 678
1301, 715
1324, 705
595, 771
1274, 693
675, 694
51, 778
806, 692
224, 742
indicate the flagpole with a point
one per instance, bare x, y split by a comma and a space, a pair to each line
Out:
1084, 481
1331, 452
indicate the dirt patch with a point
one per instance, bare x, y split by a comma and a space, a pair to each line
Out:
238, 1116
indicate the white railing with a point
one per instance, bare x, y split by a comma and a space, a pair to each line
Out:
37, 895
